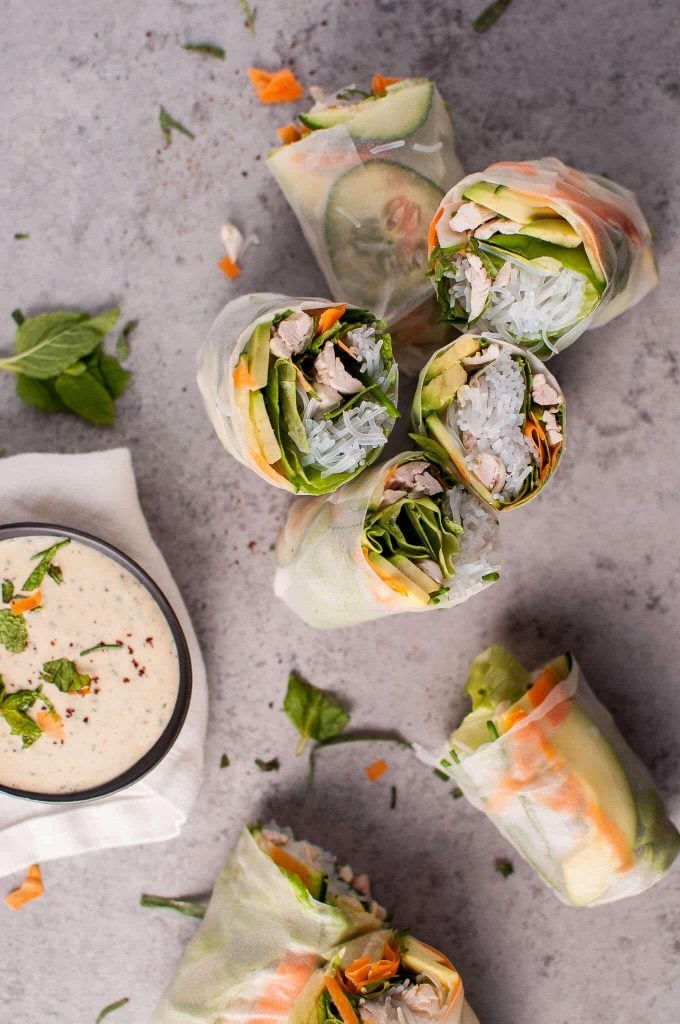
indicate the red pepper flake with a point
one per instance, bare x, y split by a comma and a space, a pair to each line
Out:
135, 663
142, 672
86, 720
126, 679
149, 641
252, 544
70, 712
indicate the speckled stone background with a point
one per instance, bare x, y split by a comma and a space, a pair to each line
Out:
591, 565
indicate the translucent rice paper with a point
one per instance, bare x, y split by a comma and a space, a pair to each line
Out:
229, 335
380, 264
323, 575
614, 231
261, 937
549, 839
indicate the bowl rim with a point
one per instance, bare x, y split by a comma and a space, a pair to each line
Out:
170, 733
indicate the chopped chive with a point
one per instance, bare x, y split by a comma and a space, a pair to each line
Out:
18, 317
490, 15
224, 761
205, 48
19, 236
111, 1007
447, 764
192, 908
457, 793
454, 755
268, 766
493, 731
393, 797
167, 123
250, 13
504, 867
491, 577
440, 775
101, 647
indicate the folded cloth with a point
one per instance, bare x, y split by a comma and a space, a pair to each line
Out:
96, 492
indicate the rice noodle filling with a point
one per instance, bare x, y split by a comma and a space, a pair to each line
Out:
407, 1003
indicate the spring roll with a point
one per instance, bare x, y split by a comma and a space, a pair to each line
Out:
498, 413
364, 181
537, 252
405, 536
277, 906
542, 757
300, 391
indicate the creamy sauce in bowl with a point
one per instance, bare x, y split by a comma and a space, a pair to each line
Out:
103, 653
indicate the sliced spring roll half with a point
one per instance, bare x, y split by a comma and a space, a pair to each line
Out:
299, 390
364, 178
498, 413
538, 252
542, 757
277, 906
405, 536
386, 977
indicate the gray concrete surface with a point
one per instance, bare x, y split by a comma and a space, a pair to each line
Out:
591, 565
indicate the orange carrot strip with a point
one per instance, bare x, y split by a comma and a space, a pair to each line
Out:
432, 233
375, 770
555, 454
342, 1003
275, 86
512, 717
364, 970
288, 133
229, 268
30, 889
26, 604
291, 864
287, 981
329, 317
380, 83
242, 376
545, 683
393, 584
50, 722
535, 432
613, 835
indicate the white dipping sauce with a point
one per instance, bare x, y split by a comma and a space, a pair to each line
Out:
133, 689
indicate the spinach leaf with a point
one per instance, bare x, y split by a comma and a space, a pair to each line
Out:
13, 632
64, 675
39, 394
315, 715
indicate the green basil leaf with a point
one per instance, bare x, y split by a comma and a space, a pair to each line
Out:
87, 398
13, 632
39, 394
21, 724
7, 591
315, 715
49, 343
64, 675
116, 379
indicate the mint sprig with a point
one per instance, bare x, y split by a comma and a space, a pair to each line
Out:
315, 715
13, 632
45, 567
64, 675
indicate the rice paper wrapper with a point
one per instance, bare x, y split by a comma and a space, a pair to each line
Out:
608, 218
261, 938
322, 573
544, 812
364, 206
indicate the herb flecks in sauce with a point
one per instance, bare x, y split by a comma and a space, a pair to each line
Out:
13, 632
41, 570
65, 676
102, 647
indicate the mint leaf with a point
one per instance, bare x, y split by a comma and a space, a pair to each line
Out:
64, 675
13, 632
315, 715
22, 725
86, 397
19, 700
48, 344
7, 591
123, 342
111, 1007
39, 394
116, 379
206, 48
268, 766
167, 123
44, 565
55, 573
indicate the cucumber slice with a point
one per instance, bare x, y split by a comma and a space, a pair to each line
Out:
392, 206
396, 115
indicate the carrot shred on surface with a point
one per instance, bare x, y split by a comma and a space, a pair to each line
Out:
30, 889
375, 770
26, 604
329, 317
275, 86
288, 133
380, 83
342, 1003
229, 268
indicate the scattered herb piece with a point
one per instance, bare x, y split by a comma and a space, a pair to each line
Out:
393, 797
454, 755
30, 889
123, 342
48, 344
64, 675
111, 1007
192, 908
457, 793
205, 48
13, 708
376, 769
19, 236
250, 14
55, 573
224, 761
18, 317
440, 775
101, 647
314, 714
13, 632
7, 591
490, 15
38, 574
386, 736
167, 123
493, 731
504, 867
268, 766
491, 577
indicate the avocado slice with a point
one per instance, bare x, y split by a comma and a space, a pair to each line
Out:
466, 346
258, 355
404, 584
420, 959
441, 390
410, 569
508, 203
291, 417
556, 230
266, 437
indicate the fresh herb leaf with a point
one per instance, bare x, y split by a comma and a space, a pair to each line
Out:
491, 577
167, 123
55, 573
504, 867
116, 379
45, 700
123, 342
206, 48
192, 908
13, 632
224, 761
111, 1007
19, 236
7, 591
359, 736
36, 577
64, 675
490, 15
440, 775
315, 715
393, 797
457, 793
18, 317
48, 344
39, 394
21, 724
268, 766
250, 13
101, 647
493, 730
86, 397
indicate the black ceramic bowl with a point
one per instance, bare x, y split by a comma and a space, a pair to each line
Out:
172, 729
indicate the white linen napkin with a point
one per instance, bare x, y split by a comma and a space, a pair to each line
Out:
97, 493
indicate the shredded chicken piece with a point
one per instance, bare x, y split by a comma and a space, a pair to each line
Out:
232, 240
326, 396
377, 911
275, 838
490, 471
552, 428
480, 285
346, 874
416, 478
503, 276
469, 440
330, 371
362, 884
498, 226
486, 355
432, 570
470, 216
292, 336
542, 392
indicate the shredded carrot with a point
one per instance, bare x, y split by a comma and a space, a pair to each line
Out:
364, 971
288, 133
229, 268
536, 434
329, 317
380, 83
26, 604
613, 835
375, 770
30, 889
512, 717
291, 864
275, 86
50, 722
342, 1003
432, 233
555, 452
242, 376
545, 683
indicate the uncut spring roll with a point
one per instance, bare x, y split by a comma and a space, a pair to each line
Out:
538, 252
300, 391
405, 537
545, 761
364, 181
497, 412
277, 906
